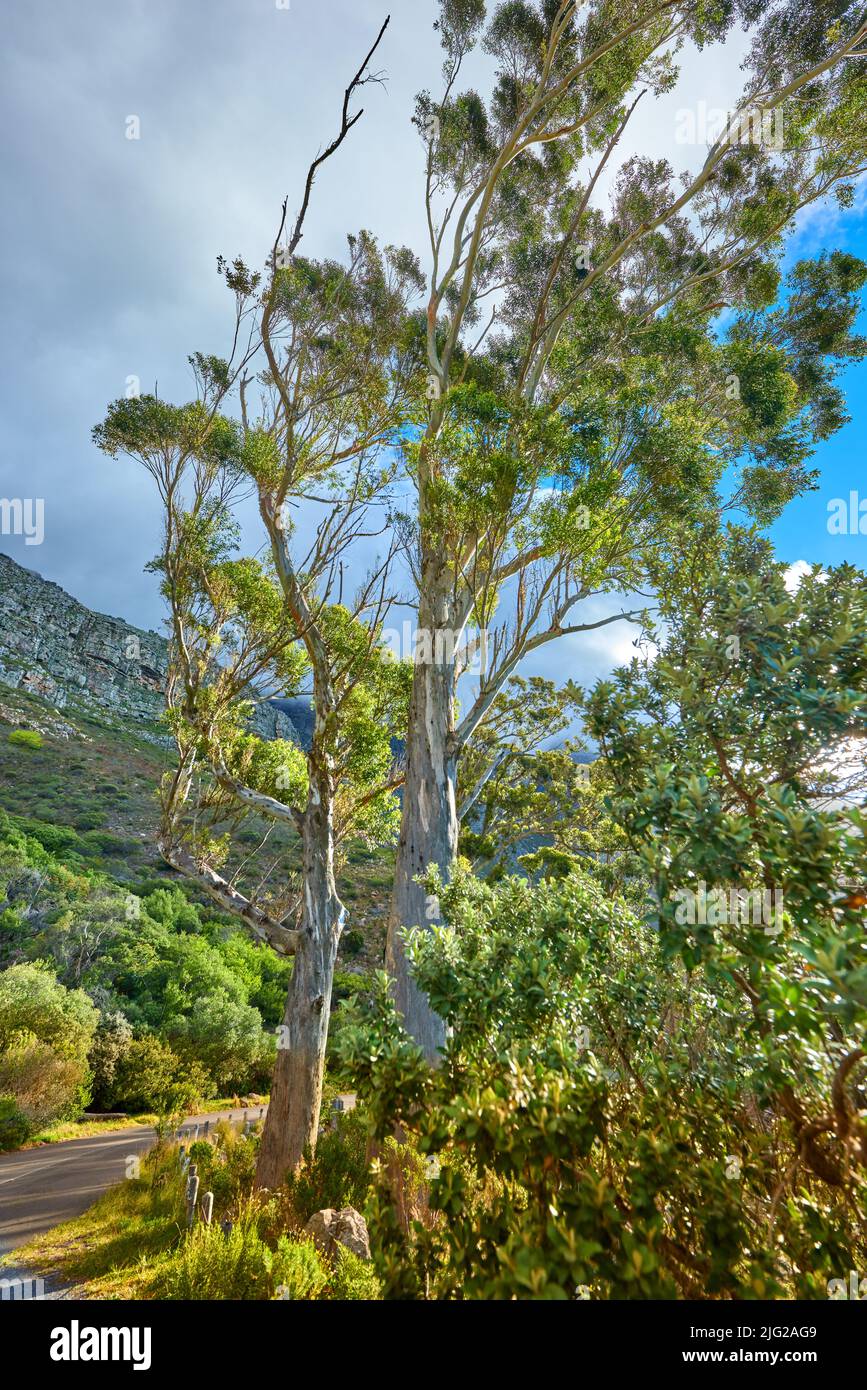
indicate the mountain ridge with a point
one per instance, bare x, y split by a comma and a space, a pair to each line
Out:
54, 647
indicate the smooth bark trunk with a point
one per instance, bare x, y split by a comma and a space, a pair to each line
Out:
429, 825
292, 1122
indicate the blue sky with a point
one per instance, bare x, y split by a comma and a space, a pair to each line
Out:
110, 244
802, 531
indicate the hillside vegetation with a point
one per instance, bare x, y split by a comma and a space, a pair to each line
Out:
174, 1002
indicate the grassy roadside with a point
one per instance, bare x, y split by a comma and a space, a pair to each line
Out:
83, 1129
113, 1250
87, 1129
132, 1243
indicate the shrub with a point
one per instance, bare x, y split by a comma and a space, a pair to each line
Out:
202, 1153
298, 1270
45, 1086
353, 942
352, 1278
15, 1128
573, 1138
57, 839
104, 842
240, 1265
45, 1034
32, 1001
338, 1174
227, 1038
150, 1077
229, 1167
111, 1043
214, 1266
25, 738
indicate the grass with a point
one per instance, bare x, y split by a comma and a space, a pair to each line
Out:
132, 1243
93, 796
117, 1247
86, 1129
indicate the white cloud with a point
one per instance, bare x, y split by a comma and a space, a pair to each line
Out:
795, 573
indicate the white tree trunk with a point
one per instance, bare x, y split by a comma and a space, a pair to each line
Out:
292, 1122
429, 822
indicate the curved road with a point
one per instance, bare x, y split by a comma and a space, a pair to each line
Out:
41, 1187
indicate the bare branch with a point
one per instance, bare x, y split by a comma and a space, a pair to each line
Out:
283, 939
346, 124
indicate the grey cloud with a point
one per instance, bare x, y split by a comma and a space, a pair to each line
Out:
110, 244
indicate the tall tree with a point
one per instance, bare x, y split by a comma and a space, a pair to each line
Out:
570, 432
330, 348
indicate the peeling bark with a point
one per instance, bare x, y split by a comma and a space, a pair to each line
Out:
292, 1122
429, 820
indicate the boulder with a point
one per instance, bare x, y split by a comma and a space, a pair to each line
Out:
328, 1227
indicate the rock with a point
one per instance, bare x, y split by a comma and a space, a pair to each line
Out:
55, 648
269, 721
348, 1227
45, 723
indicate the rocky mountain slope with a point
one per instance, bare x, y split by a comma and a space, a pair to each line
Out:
72, 658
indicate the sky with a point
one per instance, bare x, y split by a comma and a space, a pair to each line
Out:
110, 243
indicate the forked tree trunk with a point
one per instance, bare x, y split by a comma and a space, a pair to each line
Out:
429, 824
292, 1122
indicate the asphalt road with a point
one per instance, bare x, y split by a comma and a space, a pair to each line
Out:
41, 1187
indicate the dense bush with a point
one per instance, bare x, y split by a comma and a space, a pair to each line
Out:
225, 1037
46, 1086
111, 1043
240, 1265
31, 832
25, 738
150, 1077
738, 775
338, 1175
298, 1270
45, 1035
32, 1001
594, 1120
352, 1278
15, 1127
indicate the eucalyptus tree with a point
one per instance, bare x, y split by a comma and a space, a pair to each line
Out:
322, 354
583, 405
